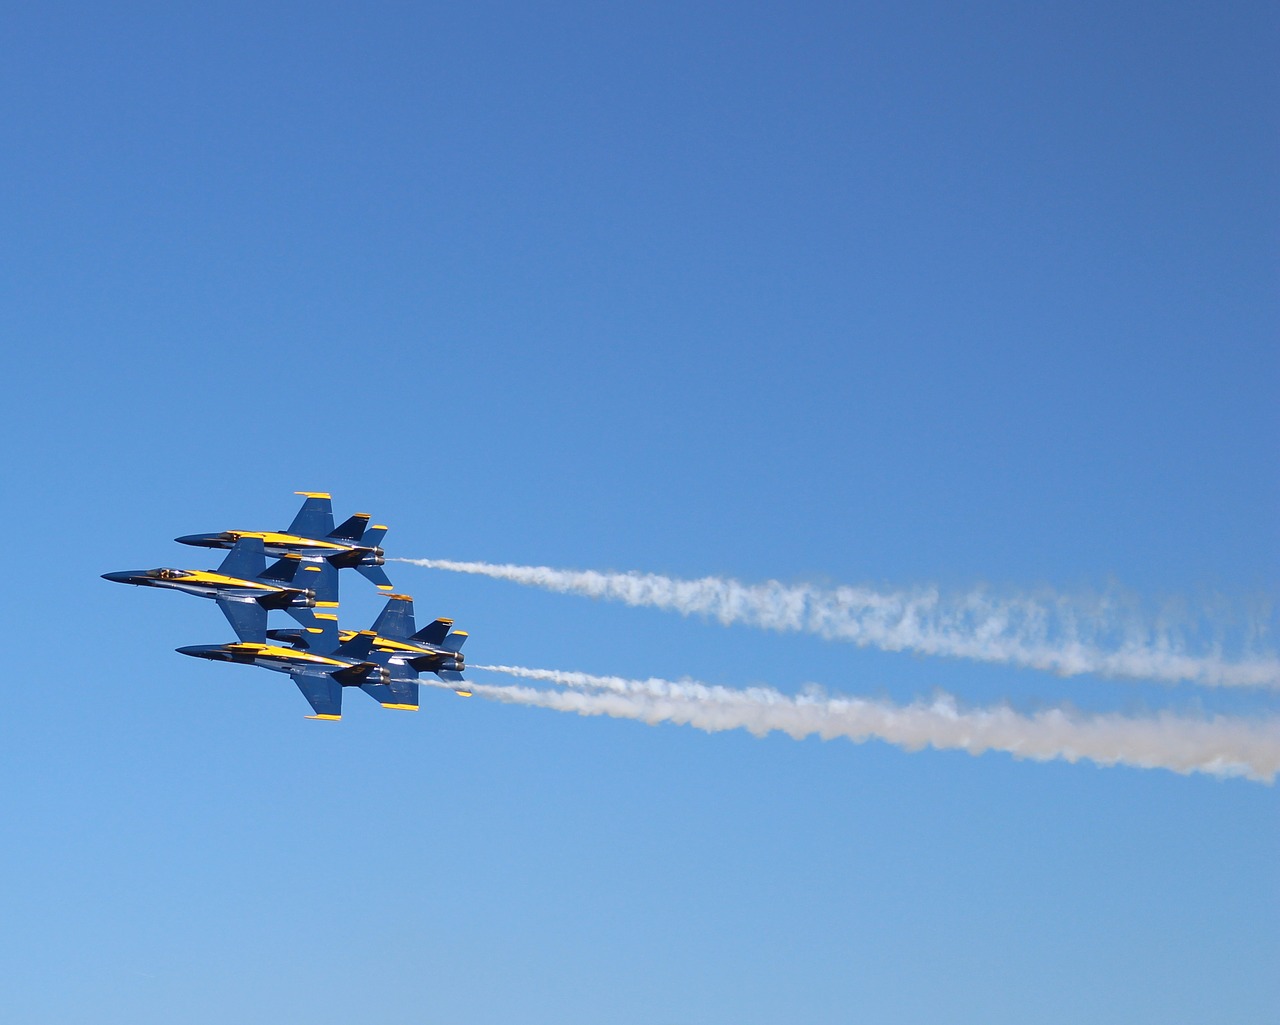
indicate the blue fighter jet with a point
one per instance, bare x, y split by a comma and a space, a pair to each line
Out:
312, 535
322, 674
243, 586
436, 648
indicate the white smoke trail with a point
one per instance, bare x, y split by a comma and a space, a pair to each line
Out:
1056, 634
1219, 745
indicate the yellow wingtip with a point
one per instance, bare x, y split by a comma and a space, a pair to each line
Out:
327, 718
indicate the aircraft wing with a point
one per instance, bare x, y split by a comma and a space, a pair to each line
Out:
322, 691
247, 618
404, 694
399, 693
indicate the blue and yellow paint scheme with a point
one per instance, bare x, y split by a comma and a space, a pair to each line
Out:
436, 648
321, 677
243, 586
312, 536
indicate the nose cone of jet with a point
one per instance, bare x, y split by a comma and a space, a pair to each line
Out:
214, 651
200, 540
123, 577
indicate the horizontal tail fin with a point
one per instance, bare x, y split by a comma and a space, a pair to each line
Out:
455, 680
376, 574
455, 640
303, 616
404, 695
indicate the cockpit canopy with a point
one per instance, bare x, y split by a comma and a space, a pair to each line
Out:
168, 574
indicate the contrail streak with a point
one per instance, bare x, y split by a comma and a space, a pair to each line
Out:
1218, 745
1053, 633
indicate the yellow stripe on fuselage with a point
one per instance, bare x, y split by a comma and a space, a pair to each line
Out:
270, 537
290, 655
387, 644
200, 576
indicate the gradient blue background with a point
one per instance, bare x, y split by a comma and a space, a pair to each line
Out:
897, 294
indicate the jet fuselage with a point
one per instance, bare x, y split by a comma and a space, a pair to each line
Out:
278, 543
281, 660
209, 584
422, 656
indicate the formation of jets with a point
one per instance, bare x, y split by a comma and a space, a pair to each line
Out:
384, 661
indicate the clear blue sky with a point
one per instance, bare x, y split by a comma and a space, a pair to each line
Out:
892, 294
